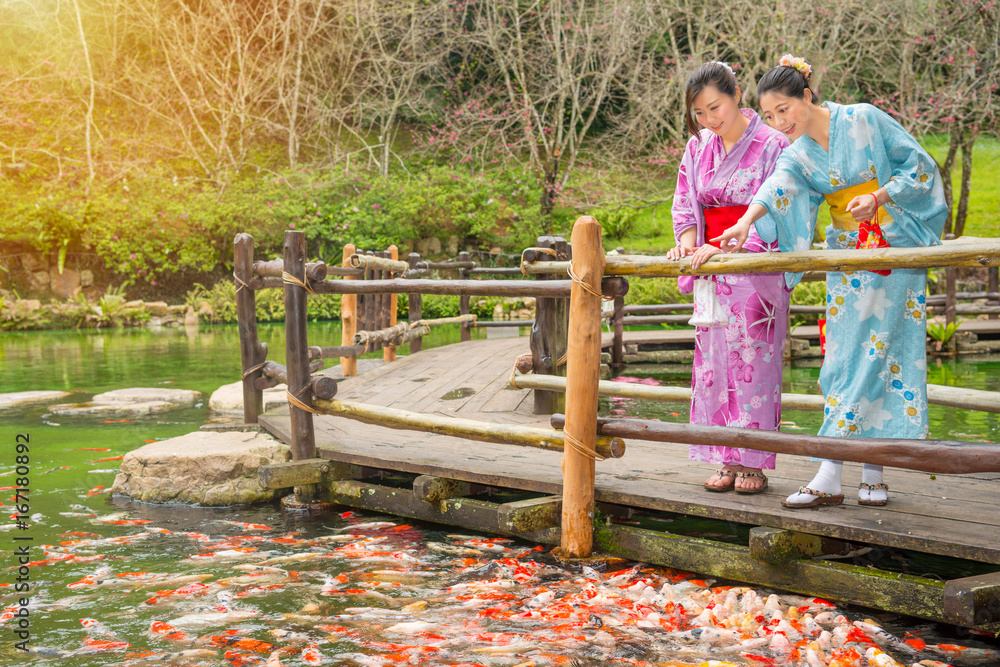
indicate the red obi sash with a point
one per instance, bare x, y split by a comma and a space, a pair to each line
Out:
719, 219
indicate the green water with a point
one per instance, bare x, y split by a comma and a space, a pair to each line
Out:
63, 473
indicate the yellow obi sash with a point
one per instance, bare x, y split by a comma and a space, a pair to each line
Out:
839, 200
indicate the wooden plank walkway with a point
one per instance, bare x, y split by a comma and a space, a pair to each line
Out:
952, 515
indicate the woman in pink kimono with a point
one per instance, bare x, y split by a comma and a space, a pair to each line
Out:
737, 365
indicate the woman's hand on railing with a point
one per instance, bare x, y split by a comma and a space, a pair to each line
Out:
702, 254
680, 251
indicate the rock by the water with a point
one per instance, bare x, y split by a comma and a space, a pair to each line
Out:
142, 394
206, 468
114, 408
17, 398
135, 401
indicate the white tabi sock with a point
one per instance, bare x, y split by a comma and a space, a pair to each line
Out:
872, 474
827, 480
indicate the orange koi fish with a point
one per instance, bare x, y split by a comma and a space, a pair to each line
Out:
93, 449
105, 645
109, 458
96, 491
242, 643
247, 526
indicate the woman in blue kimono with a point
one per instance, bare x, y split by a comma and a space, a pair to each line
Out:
866, 166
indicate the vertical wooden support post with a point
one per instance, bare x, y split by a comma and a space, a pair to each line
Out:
550, 332
463, 301
582, 375
297, 347
389, 353
252, 351
369, 309
414, 306
994, 286
349, 320
949, 297
617, 325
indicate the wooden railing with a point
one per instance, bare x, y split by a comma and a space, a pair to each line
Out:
591, 266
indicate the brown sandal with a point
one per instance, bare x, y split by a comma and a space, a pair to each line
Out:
750, 492
723, 473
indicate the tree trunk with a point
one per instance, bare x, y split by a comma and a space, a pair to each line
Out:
963, 201
945, 169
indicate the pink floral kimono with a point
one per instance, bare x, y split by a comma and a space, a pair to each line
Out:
737, 367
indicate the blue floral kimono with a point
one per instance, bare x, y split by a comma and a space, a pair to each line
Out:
874, 376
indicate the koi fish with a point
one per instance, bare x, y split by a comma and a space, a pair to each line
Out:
109, 458
55, 469
96, 491
93, 449
312, 656
247, 526
242, 643
169, 632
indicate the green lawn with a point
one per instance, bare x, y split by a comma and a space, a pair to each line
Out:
653, 232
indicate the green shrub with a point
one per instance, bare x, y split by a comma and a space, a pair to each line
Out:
645, 291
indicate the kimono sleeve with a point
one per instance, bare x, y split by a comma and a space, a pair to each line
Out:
792, 206
683, 208
908, 173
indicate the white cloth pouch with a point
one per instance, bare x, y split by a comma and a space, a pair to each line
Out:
708, 310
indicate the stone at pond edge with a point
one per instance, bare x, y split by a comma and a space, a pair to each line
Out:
204, 468
17, 398
141, 394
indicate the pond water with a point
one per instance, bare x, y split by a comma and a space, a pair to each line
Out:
259, 585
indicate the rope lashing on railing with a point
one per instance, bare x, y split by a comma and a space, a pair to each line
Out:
289, 279
581, 448
366, 262
397, 334
544, 251
301, 405
248, 372
241, 284
587, 286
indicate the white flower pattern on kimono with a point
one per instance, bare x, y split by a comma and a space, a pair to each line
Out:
872, 414
876, 345
872, 302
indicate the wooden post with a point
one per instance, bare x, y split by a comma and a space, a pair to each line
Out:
369, 307
549, 333
252, 351
618, 326
349, 320
583, 371
414, 306
389, 353
994, 287
463, 301
949, 297
297, 347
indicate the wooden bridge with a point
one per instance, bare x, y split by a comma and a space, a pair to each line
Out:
477, 453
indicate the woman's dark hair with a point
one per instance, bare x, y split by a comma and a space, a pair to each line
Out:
713, 73
786, 81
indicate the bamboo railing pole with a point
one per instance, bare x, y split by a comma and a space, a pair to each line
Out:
414, 306
252, 351
349, 321
508, 434
954, 397
583, 370
463, 301
389, 353
297, 347
981, 253
945, 457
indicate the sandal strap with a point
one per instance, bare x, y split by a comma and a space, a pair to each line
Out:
812, 492
874, 487
756, 473
721, 472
